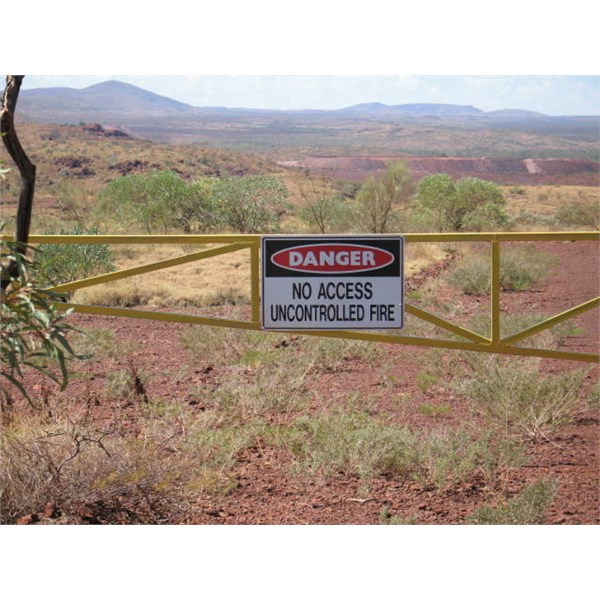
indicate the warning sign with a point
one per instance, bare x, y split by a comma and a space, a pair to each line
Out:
332, 283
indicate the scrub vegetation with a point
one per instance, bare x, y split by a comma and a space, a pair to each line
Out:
166, 427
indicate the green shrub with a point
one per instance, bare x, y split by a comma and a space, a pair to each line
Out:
527, 508
251, 204
352, 443
274, 387
520, 268
325, 214
512, 324
579, 214
488, 216
379, 200
194, 208
61, 263
159, 201
469, 204
514, 396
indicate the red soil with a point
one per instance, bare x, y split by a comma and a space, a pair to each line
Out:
268, 492
560, 171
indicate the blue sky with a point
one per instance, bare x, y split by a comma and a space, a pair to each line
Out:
550, 94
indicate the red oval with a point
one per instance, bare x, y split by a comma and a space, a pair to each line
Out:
332, 258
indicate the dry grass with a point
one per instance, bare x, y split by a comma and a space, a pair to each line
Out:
419, 256
217, 280
66, 456
545, 200
516, 397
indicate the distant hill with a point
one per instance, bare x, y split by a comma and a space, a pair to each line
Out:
93, 155
413, 110
514, 113
99, 102
416, 128
111, 99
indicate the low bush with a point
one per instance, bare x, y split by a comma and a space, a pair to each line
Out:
527, 508
446, 457
123, 294
355, 443
469, 204
215, 451
520, 268
512, 324
63, 457
127, 385
330, 354
385, 518
434, 410
579, 214
101, 343
514, 396
145, 468
226, 346
471, 275
62, 263
352, 443
273, 388
251, 204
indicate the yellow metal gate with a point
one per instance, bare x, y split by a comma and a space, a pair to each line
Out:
470, 340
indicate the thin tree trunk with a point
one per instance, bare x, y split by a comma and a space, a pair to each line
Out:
25, 166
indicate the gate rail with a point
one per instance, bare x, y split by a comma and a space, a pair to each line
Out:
472, 341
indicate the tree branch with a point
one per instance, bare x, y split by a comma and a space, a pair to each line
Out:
25, 166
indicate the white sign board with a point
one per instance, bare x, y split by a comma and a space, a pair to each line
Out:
341, 282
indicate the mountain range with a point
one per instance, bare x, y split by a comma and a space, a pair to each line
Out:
116, 97
367, 128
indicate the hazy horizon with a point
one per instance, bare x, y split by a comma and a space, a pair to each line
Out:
548, 94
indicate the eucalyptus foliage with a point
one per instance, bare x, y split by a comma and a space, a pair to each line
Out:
379, 199
251, 204
469, 204
33, 331
157, 202
161, 201
61, 263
